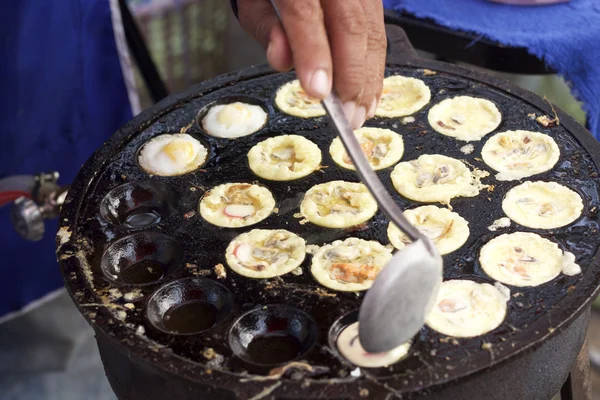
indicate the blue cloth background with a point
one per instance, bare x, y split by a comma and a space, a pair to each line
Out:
62, 95
566, 36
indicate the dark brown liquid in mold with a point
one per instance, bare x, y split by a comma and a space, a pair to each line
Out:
145, 271
190, 317
274, 348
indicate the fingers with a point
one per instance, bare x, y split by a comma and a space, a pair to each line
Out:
330, 43
279, 53
347, 27
307, 37
258, 19
376, 52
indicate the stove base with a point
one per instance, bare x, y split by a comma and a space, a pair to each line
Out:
537, 375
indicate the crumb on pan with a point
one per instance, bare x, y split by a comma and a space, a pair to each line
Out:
408, 120
467, 149
189, 214
548, 122
220, 271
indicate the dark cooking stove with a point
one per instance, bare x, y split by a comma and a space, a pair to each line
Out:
528, 357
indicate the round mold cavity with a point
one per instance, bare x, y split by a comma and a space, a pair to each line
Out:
202, 142
141, 259
189, 306
337, 328
138, 205
344, 322
228, 100
272, 335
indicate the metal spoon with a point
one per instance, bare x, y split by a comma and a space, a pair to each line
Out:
395, 307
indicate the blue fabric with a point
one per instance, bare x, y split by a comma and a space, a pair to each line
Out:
62, 95
566, 36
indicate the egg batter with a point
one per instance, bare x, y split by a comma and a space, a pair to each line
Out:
284, 158
542, 205
402, 96
519, 154
263, 253
348, 344
234, 120
446, 229
172, 154
523, 259
465, 118
293, 100
467, 309
234, 205
350, 265
436, 178
382, 147
338, 204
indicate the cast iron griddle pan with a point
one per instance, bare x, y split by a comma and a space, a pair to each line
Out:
92, 237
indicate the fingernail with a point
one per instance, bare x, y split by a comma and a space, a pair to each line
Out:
349, 110
320, 83
371, 112
359, 117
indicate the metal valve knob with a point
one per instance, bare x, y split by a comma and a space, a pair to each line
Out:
28, 214
27, 219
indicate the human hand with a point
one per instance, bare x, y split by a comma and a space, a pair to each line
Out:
337, 44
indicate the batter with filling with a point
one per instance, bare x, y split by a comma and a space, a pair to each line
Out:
466, 309
436, 178
350, 265
402, 96
284, 158
234, 205
263, 253
465, 118
338, 204
446, 229
382, 147
293, 100
524, 259
519, 154
542, 205
349, 346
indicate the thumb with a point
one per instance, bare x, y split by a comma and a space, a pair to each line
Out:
258, 19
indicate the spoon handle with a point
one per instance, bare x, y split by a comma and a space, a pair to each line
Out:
334, 108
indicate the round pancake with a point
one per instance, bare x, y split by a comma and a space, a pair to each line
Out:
265, 253
172, 155
402, 96
234, 120
465, 118
466, 309
284, 158
522, 259
348, 344
350, 265
542, 205
293, 100
436, 178
234, 205
338, 204
382, 147
519, 154
446, 229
